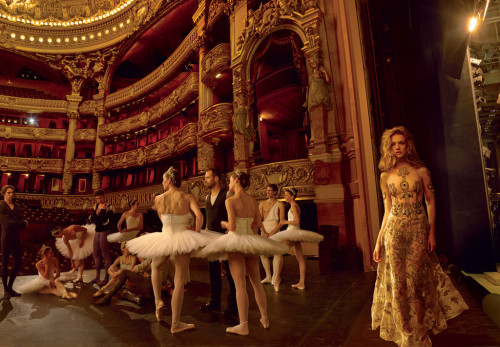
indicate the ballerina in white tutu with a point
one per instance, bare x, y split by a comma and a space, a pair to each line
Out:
76, 243
176, 239
293, 236
243, 248
49, 280
134, 221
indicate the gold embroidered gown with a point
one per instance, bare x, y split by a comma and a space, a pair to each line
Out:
408, 278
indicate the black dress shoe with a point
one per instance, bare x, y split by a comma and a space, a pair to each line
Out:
210, 307
13, 293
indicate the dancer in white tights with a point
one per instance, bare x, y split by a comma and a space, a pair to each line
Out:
176, 239
293, 236
243, 246
273, 212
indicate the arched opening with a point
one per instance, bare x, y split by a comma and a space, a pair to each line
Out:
279, 79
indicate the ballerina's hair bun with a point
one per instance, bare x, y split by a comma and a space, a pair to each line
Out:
132, 202
292, 191
56, 231
174, 175
43, 250
243, 177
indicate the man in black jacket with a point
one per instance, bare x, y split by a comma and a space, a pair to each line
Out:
12, 221
102, 217
215, 207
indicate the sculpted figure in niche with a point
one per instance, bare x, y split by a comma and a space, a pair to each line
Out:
318, 90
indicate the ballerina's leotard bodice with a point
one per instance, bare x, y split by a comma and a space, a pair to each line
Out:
174, 222
133, 222
244, 226
290, 218
78, 235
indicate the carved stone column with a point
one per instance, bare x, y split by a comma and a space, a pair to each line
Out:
206, 156
70, 142
99, 151
244, 132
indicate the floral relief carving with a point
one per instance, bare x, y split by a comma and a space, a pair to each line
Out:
32, 164
30, 133
295, 173
216, 121
26, 104
85, 134
81, 166
215, 61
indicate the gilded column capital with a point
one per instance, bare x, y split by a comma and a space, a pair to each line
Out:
73, 115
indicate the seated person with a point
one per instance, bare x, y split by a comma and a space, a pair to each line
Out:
49, 280
137, 282
126, 261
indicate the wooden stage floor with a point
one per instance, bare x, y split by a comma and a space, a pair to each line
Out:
334, 310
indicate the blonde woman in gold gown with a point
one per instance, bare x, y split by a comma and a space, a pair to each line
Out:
413, 296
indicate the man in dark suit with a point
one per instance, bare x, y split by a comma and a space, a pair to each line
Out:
215, 207
12, 221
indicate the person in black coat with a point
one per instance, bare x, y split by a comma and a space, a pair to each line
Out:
12, 221
103, 218
215, 207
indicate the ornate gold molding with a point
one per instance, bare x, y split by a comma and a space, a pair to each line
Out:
156, 78
31, 165
30, 133
85, 135
33, 105
294, 173
214, 62
216, 121
180, 97
88, 107
83, 34
45, 134
81, 166
171, 146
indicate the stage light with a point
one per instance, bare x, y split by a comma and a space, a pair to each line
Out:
472, 24
218, 75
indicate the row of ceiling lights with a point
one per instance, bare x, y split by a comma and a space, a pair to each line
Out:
79, 22
67, 39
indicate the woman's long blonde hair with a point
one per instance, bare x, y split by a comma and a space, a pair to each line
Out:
387, 159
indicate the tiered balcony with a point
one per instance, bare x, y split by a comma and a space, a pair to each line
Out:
172, 146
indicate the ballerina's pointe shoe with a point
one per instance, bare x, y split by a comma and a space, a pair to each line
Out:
178, 327
264, 323
78, 280
98, 293
73, 295
298, 286
159, 310
277, 284
240, 329
266, 280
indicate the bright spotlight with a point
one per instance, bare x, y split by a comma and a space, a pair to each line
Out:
472, 23
31, 121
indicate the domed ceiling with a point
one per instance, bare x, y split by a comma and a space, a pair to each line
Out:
73, 26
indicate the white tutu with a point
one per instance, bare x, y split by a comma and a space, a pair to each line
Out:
243, 240
78, 252
174, 239
297, 235
40, 282
122, 237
